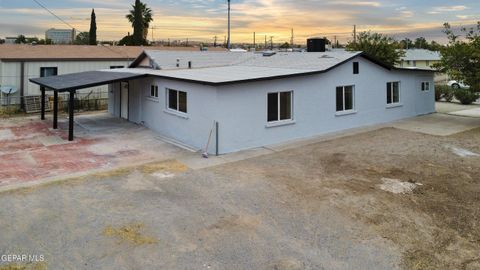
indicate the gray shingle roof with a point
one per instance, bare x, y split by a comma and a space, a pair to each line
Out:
421, 55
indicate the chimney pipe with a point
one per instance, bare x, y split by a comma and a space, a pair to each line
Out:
189, 64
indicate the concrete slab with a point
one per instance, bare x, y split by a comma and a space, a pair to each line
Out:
438, 124
468, 113
6, 134
448, 107
52, 140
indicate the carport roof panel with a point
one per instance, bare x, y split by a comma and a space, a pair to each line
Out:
83, 80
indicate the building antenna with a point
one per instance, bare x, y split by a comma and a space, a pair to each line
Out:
228, 40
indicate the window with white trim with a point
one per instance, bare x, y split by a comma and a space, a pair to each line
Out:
154, 91
345, 98
393, 92
279, 106
177, 100
425, 86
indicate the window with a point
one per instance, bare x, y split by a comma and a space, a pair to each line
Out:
115, 67
414, 63
427, 63
177, 100
154, 91
356, 68
425, 86
393, 92
48, 71
345, 98
279, 106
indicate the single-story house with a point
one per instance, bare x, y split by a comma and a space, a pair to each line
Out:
256, 99
423, 59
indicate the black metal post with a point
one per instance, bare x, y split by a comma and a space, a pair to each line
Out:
216, 138
42, 104
55, 109
71, 109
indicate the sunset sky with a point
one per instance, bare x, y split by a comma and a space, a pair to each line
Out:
202, 20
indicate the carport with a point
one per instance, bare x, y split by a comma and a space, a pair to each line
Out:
73, 82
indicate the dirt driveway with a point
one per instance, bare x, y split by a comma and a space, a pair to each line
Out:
384, 199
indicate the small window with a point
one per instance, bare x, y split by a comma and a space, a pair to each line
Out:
48, 71
425, 86
177, 100
393, 92
279, 106
345, 98
356, 68
154, 91
427, 63
414, 63
115, 67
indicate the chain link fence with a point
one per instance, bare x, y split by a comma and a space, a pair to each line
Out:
85, 101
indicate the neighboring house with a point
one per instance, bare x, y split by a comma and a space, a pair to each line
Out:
10, 40
257, 99
19, 63
60, 36
423, 59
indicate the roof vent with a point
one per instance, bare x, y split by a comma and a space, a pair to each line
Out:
326, 56
268, 54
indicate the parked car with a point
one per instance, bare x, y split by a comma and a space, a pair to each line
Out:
457, 85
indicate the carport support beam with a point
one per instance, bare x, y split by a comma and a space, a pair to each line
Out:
55, 109
71, 109
42, 104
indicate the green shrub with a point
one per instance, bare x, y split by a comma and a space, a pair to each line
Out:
445, 92
465, 96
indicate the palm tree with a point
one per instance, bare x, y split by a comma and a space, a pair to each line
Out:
147, 17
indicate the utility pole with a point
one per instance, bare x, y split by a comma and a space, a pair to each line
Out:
291, 40
224, 41
355, 34
186, 43
215, 42
271, 43
265, 42
228, 42
334, 41
254, 41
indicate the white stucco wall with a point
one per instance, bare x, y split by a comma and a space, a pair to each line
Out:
314, 109
241, 109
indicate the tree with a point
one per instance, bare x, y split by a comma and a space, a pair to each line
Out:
285, 45
138, 25
406, 44
461, 57
83, 38
421, 43
147, 17
92, 40
126, 41
21, 39
377, 46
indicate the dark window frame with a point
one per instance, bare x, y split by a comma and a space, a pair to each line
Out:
344, 108
424, 88
154, 91
393, 99
282, 113
181, 101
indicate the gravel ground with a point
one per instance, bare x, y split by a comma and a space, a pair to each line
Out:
319, 206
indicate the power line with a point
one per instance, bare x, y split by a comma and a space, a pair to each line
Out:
55, 15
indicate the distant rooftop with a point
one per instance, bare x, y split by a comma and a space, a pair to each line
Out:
14, 52
421, 55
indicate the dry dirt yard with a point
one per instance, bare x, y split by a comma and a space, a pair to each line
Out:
328, 205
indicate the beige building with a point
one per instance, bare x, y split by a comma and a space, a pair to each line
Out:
422, 59
19, 63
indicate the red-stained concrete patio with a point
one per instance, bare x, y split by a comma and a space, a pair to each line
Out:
30, 150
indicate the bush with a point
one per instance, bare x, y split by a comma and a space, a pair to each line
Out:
465, 96
445, 92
